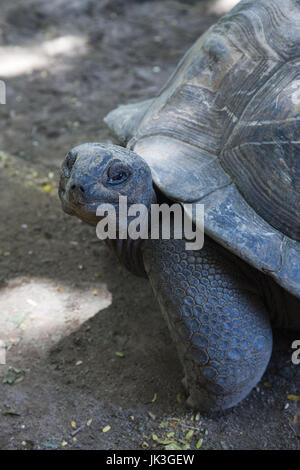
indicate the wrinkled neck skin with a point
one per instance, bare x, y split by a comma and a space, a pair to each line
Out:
130, 252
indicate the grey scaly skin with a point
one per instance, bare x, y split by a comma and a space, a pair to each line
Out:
216, 317
213, 305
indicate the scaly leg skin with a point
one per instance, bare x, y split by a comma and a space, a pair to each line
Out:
216, 318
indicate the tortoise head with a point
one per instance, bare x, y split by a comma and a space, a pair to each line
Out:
95, 173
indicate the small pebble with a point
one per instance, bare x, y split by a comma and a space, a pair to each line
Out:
156, 69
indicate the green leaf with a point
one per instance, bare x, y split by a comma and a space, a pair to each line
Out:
186, 447
189, 435
119, 354
199, 443
18, 319
164, 424
173, 446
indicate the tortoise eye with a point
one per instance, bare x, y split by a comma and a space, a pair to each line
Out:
117, 174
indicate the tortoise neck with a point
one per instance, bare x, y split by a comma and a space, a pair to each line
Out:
129, 252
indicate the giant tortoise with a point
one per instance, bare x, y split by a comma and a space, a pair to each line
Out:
223, 132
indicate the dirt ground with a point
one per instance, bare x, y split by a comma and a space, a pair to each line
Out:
86, 346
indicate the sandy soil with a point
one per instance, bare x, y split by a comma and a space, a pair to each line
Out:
86, 346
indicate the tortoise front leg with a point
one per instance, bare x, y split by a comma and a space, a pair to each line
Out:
216, 317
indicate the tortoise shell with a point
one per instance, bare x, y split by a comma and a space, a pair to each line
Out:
224, 132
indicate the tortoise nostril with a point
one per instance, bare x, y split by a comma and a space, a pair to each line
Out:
77, 187
77, 191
